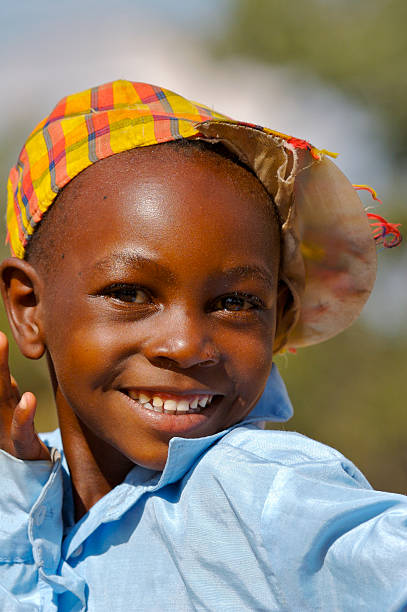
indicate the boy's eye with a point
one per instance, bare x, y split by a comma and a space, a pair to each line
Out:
237, 302
127, 293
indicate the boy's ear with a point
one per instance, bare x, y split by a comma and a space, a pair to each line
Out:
21, 291
286, 316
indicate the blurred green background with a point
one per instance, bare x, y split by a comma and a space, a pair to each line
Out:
334, 68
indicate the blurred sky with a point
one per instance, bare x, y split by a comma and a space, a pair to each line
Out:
50, 48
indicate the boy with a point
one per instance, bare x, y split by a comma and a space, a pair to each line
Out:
162, 254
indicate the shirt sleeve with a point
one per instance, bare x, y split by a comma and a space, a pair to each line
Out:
333, 542
30, 531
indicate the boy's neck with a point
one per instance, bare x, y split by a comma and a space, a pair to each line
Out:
95, 466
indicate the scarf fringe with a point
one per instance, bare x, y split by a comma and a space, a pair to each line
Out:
385, 233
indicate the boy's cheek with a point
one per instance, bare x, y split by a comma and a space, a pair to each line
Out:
251, 353
84, 342
82, 359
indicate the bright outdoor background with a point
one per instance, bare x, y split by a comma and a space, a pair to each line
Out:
330, 71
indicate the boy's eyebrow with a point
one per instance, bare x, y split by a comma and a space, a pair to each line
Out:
251, 271
132, 259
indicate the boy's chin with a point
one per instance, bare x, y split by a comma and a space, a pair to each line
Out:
155, 461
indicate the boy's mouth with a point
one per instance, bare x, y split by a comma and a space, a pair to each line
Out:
170, 404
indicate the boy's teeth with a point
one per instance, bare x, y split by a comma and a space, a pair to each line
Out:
182, 406
170, 406
143, 398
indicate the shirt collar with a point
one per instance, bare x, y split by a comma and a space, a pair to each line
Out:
274, 405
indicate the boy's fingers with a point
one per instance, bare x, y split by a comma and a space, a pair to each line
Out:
27, 444
17, 433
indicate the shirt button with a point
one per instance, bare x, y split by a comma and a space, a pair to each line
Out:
78, 551
40, 515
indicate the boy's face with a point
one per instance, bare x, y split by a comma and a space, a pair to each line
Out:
165, 285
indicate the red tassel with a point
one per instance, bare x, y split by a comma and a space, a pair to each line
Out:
369, 189
385, 233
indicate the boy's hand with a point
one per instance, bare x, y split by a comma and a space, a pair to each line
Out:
17, 433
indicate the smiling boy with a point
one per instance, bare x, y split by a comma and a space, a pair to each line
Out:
163, 254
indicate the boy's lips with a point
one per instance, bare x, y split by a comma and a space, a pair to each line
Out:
174, 413
171, 403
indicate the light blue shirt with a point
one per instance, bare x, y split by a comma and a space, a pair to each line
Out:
241, 520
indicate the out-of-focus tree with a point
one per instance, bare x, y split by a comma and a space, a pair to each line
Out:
349, 393
360, 47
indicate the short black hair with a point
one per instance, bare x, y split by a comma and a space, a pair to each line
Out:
45, 235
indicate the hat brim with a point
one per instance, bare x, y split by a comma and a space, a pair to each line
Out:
329, 253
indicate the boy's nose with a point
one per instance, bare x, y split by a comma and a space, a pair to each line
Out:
182, 339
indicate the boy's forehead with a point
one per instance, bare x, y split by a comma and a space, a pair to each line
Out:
152, 170
155, 190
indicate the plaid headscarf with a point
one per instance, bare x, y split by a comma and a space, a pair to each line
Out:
84, 128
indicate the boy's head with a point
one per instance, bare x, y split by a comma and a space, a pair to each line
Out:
157, 285
164, 276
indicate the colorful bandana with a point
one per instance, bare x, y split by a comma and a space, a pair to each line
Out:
84, 128
328, 248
